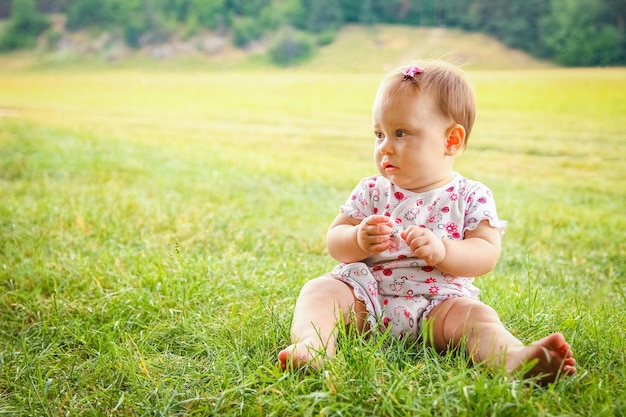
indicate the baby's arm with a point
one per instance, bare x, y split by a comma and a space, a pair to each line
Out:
473, 256
351, 240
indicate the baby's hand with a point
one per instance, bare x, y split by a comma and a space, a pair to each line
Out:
374, 233
424, 245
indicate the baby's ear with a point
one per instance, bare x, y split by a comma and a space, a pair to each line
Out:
456, 139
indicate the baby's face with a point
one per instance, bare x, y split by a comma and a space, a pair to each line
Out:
411, 137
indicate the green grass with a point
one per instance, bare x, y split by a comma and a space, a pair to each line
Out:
155, 229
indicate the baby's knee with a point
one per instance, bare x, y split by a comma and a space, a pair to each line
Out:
457, 317
463, 310
473, 310
322, 286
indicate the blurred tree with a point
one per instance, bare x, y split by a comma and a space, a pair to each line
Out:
614, 14
5, 9
95, 13
212, 14
296, 13
247, 7
245, 31
153, 24
175, 10
52, 6
324, 15
366, 13
387, 11
141, 21
351, 10
517, 23
454, 13
575, 35
291, 47
282, 13
25, 25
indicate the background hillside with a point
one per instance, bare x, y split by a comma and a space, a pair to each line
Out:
290, 32
356, 49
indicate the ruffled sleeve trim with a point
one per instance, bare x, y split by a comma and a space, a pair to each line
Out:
501, 225
351, 212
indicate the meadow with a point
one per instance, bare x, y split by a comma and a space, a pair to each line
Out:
156, 227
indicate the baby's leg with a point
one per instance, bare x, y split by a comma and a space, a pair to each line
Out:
322, 303
489, 342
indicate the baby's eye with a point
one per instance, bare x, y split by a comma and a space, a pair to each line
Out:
379, 135
400, 133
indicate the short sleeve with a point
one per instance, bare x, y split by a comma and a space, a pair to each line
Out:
482, 206
359, 204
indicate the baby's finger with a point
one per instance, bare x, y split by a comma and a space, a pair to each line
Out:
378, 228
377, 220
377, 239
411, 234
381, 247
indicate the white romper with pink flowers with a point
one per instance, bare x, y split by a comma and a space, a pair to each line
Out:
399, 290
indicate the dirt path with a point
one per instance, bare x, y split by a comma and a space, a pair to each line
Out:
7, 112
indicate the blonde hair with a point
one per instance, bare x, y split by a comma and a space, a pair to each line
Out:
448, 84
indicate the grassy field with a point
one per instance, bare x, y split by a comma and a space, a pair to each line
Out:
156, 227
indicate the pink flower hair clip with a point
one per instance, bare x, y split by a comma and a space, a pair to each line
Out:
411, 71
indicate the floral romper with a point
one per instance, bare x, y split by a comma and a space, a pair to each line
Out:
398, 289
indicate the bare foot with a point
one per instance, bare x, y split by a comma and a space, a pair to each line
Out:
301, 354
552, 356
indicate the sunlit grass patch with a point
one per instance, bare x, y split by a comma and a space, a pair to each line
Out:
156, 228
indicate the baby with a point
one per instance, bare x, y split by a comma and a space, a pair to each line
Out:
412, 238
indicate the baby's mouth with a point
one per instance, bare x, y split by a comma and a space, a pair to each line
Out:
387, 164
